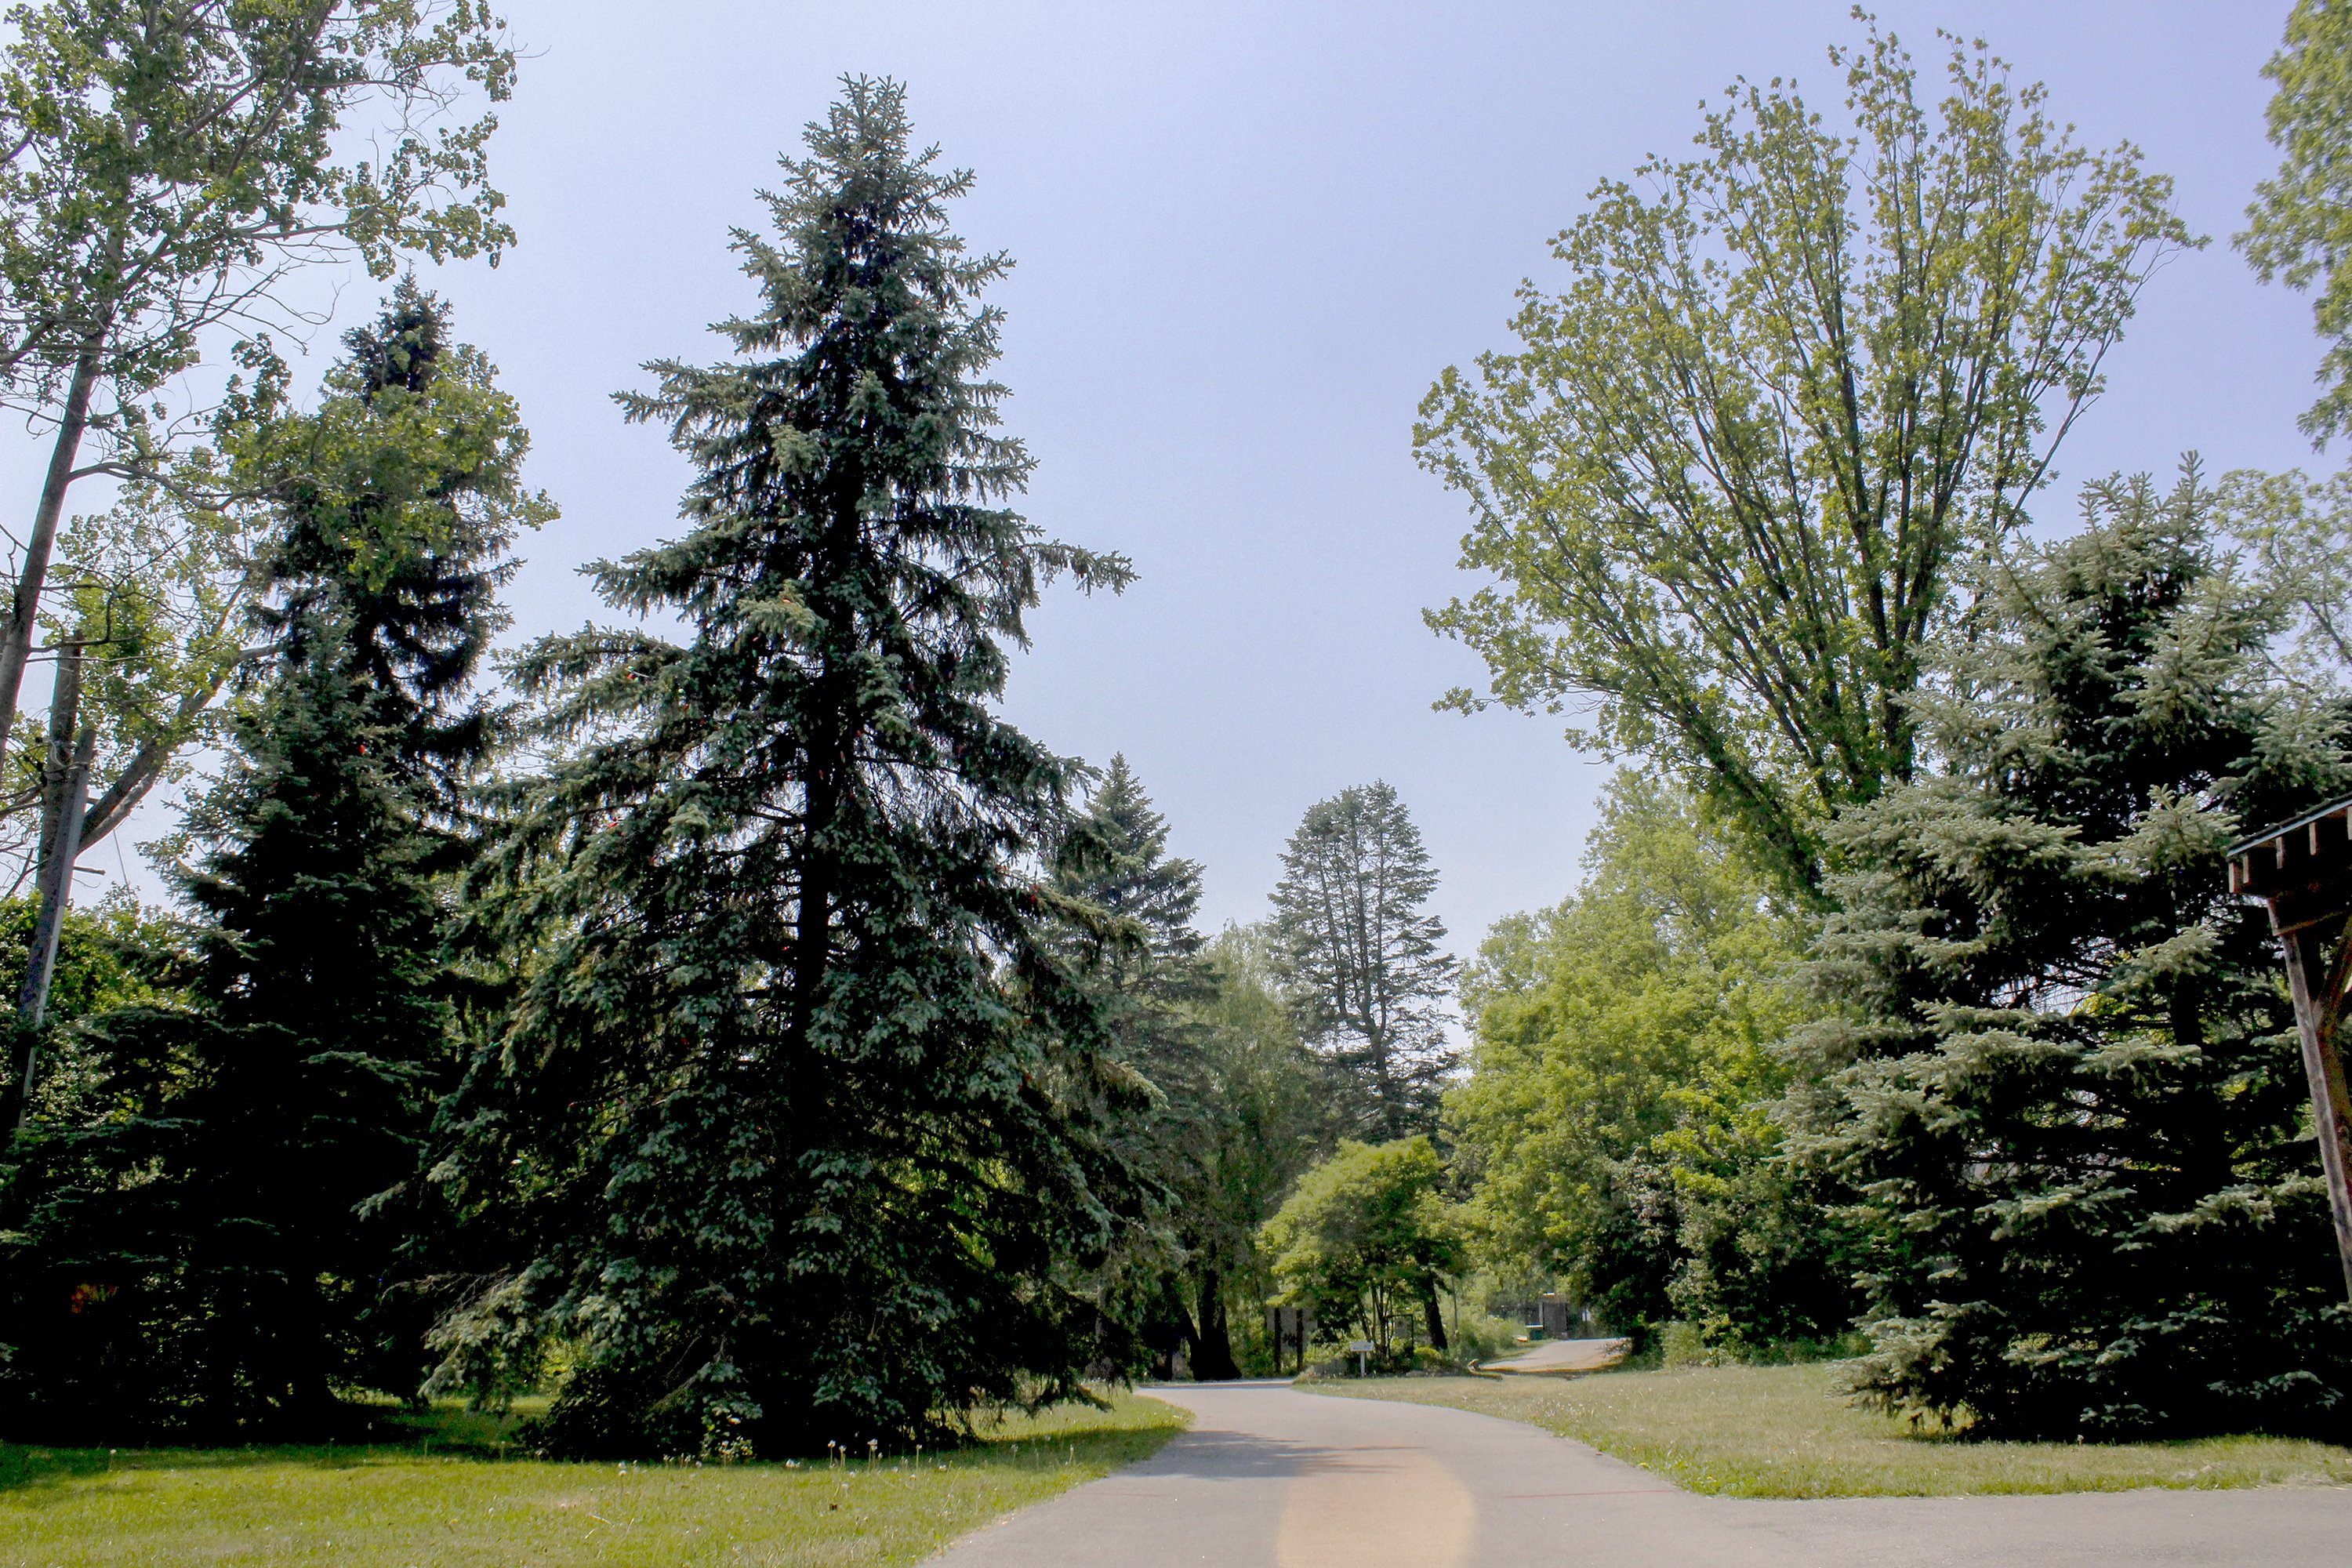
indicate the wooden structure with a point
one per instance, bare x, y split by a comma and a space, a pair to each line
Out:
2304, 871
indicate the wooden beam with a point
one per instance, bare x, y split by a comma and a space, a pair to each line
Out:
2306, 880
2331, 1100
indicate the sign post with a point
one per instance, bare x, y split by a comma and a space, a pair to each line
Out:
1362, 1348
2302, 871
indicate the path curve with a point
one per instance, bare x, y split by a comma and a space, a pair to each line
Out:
1563, 1356
1272, 1478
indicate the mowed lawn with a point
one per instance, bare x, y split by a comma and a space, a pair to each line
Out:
1786, 1432
385, 1505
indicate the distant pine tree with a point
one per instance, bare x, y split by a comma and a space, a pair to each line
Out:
798, 1123
2065, 1094
1114, 858
1362, 960
239, 1258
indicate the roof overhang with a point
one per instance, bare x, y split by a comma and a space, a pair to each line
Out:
2304, 867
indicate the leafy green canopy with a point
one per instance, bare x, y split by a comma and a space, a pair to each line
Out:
1366, 1238
237, 1209
115, 955
2299, 225
1239, 1107
797, 1132
1270, 1116
170, 164
2063, 1090
1616, 1125
1360, 957
1788, 387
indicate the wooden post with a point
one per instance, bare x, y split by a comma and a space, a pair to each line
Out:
2331, 1102
2302, 871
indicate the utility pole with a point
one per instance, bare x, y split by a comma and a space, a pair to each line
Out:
2302, 871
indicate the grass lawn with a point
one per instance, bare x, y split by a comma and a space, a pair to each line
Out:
1785, 1432
409, 1505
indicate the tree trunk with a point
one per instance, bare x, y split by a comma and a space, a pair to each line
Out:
57, 886
33, 571
1212, 1343
1435, 1319
72, 746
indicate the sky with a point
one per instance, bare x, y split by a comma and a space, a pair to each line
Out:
1248, 236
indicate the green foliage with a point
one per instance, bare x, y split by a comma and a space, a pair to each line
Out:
2299, 225
1617, 1123
1234, 1113
1360, 957
1133, 922
157, 189
171, 165
2064, 1092
1788, 387
799, 1129
208, 1241
2297, 534
1366, 1238
1267, 1117
114, 955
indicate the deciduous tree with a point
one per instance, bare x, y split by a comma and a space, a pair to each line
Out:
165, 168
2299, 227
1616, 1128
1367, 1237
1787, 388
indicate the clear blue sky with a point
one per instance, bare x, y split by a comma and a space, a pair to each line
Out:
1248, 236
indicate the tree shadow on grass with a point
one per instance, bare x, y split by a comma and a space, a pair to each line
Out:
389, 1435
376, 1435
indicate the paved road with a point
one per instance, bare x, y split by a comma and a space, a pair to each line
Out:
1271, 1478
1563, 1356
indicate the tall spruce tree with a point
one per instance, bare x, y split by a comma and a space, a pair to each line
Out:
799, 1120
1362, 959
2066, 1099
232, 1251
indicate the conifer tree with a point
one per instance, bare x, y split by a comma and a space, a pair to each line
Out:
1361, 957
800, 1120
2066, 1099
1113, 858
1130, 939
241, 1247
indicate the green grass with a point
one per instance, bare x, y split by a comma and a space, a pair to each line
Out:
1786, 1432
416, 1504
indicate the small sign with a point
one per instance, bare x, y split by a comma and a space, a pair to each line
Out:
1362, 1347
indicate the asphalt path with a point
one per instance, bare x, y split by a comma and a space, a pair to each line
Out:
1272, 1478
1563, 1356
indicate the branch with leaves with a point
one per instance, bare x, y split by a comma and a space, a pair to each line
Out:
1788, 385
